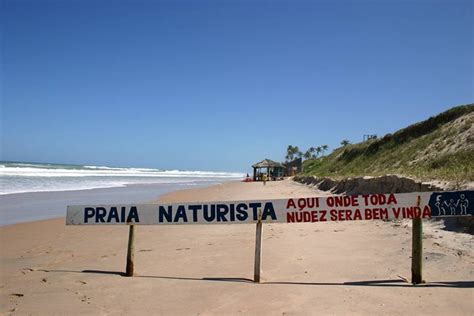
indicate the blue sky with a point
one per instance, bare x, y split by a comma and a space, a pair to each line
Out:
219, 85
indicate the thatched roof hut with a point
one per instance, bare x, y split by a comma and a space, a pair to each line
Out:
266, 163
274, 170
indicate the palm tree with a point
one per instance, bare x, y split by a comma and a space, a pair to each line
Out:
290, 154
345, 142
312, 151
308, 154
324, 148
318, 150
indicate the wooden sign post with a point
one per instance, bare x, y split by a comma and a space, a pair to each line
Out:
258, 249
417, 249
130, 252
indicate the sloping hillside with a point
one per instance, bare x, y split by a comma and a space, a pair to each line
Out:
441, 147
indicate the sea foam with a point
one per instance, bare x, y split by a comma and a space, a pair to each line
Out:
30, 177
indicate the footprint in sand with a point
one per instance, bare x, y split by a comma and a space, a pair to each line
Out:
14, 297
106, 256
83, 298
27, 270
433, 256
17, 295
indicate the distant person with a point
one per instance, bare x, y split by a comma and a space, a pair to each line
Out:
247, 178
264, 178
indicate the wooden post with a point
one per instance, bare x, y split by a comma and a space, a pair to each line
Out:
130, 251
258, 249
417, 250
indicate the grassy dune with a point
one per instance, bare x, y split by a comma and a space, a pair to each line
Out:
441, 147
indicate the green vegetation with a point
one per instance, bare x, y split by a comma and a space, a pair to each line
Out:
345, 142
293, 152
441, 147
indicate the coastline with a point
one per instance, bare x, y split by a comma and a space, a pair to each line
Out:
329, 268
35, 206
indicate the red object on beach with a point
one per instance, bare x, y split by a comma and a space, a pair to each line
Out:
247, 180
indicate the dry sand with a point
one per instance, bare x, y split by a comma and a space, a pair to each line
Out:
321, 268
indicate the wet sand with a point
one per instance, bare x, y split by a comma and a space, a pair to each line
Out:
34, 206
321, 268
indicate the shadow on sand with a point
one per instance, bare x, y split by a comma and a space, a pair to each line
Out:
376, 283
387, 283
85, 271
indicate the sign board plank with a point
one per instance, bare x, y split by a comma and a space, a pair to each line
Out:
293, 210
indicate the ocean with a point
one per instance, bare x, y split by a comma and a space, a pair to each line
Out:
18, 177
33, 191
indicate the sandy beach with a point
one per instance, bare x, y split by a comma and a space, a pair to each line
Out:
334, 268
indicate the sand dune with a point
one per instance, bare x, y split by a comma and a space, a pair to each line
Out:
321, 268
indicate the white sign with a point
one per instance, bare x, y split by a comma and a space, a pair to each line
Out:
293, 210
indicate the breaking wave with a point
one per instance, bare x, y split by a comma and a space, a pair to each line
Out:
30, 177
